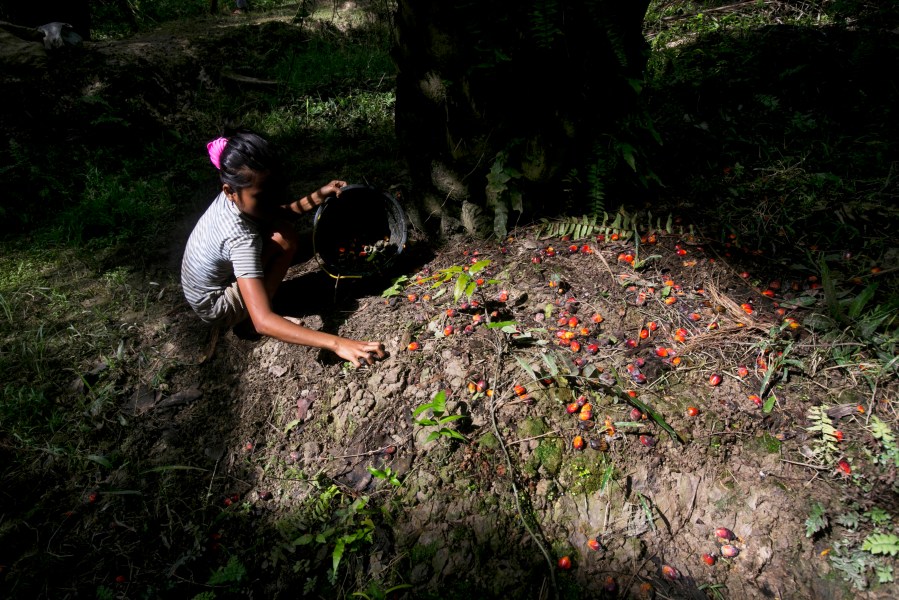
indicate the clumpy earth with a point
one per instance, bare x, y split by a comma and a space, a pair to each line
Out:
263, 446
567, 412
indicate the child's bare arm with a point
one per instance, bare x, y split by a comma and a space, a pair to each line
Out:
313, 200
271, 324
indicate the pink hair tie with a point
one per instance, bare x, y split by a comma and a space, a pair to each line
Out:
215, 148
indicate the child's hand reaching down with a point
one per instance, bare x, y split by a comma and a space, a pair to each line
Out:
359, 352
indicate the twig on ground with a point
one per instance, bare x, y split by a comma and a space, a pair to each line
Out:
536, 437
211, 480
692, 505
714, 433
370, 452
816, 467
511, 471
608, 268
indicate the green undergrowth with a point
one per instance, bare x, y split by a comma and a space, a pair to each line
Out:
85, 225
791, 125
329, 107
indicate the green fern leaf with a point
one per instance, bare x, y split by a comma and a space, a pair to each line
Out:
816, 522
881, 543
232, 572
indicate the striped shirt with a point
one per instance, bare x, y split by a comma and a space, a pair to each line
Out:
223, 246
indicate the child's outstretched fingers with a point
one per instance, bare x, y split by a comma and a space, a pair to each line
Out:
360, 353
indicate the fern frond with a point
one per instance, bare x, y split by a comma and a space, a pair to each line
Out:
881, 543
543, 19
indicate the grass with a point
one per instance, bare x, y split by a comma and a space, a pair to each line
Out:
796, 177
77, 224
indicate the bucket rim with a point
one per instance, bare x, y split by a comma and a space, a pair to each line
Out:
396, 215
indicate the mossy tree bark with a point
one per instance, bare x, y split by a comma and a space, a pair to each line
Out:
502, 104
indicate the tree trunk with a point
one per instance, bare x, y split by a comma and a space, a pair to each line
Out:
501, 104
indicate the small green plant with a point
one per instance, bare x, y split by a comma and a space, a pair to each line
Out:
714, 590
882, 543
778, 361
231, 572
330, 519
817, 521
465, 284
647, 511
517, 335
639, 263
104, 593
849, 520
374, 591
856, 558
878, 516
825, 448
852, 563
889, 454
386, 474
439, 419
396, 288
500, 197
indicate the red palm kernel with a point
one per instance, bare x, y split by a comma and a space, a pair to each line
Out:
670, 573
725, 534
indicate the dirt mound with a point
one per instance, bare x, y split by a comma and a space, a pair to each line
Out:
669, 357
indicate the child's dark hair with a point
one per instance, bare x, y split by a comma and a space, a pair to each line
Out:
246, 156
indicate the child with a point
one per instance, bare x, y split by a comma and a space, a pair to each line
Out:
242, 246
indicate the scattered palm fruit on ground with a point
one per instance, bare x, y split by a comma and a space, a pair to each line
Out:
670, 573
